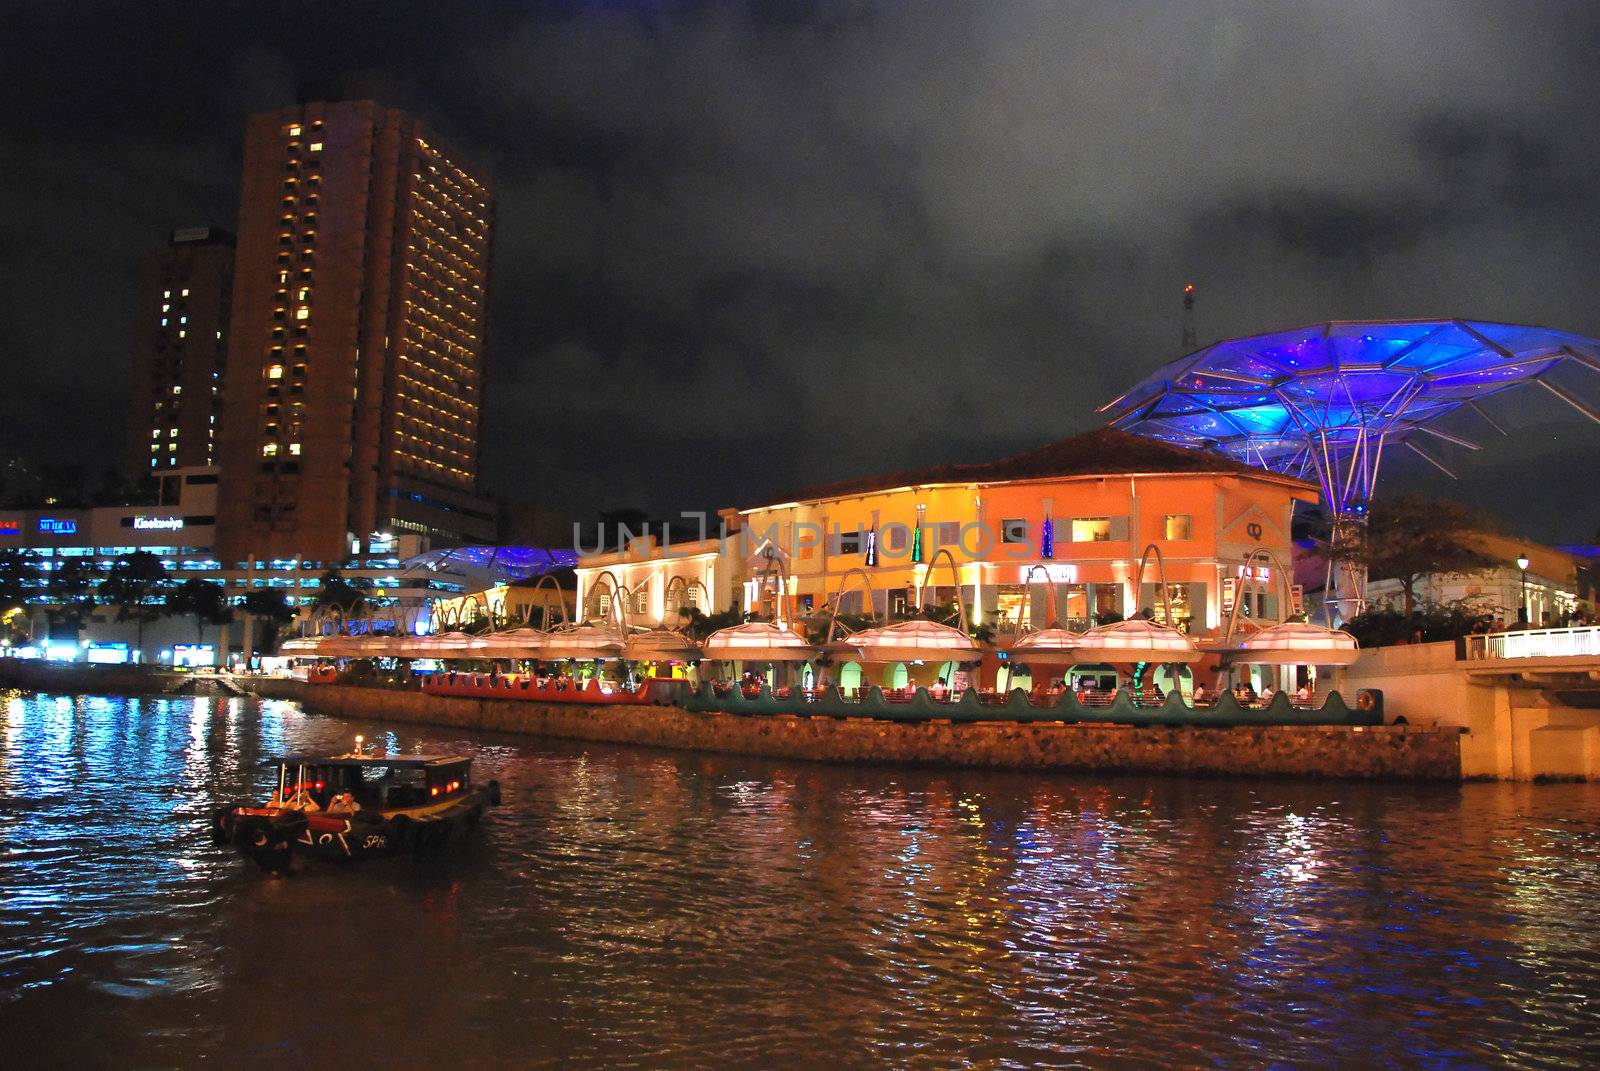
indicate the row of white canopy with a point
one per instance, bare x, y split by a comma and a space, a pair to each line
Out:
1294, 643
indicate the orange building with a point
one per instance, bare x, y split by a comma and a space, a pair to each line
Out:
353, 393
1070, 520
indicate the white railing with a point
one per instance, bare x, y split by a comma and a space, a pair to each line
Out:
1537, 643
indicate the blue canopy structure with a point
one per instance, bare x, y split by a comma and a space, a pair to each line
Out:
475, 568
1323, 402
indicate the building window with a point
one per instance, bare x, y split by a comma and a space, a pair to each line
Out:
275, 371
1091, 529
1014, 530
849, 542
1180, 526
269, 450
949, 533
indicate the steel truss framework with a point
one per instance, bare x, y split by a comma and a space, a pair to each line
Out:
1323, 402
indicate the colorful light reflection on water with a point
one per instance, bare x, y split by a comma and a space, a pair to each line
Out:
647, 908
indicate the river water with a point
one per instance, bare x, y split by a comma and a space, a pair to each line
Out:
639, 908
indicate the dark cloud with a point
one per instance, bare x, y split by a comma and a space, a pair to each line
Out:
743, 248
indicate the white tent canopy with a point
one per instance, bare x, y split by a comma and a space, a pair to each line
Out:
661, 645
1048, 646
910, 641
1136, 641
516, 643
582, 642
1298, 643
759, 641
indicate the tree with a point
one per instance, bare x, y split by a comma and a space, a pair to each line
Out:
335, 592
71, 592
19, 575
137, 586
697, 625
1409, 536
205, 600
271, 605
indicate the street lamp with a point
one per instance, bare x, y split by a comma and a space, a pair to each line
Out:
1522, 608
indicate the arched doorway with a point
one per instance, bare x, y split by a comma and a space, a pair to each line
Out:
850, 677
1099, 676
1170, 677
1014, 675
896, 675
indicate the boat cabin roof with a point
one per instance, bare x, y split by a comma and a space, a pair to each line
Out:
404, 762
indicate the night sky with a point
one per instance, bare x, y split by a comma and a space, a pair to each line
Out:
744, 248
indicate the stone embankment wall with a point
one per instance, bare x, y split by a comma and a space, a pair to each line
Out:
1514, 730
78, 678
1375, 752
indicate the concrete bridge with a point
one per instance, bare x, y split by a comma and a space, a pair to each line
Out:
1529, 700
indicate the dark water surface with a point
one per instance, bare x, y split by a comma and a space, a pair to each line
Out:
636, 908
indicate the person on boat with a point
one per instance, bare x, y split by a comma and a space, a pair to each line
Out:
302, 800
343, 803
1266, 694
1200, 697
1304, 694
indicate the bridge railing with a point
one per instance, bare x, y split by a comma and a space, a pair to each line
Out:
1537, 643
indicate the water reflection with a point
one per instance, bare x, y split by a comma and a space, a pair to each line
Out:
646, 908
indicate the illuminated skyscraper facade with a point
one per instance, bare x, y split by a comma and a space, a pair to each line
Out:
353, 392
185, 292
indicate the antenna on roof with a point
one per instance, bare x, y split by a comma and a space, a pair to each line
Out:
1190, 342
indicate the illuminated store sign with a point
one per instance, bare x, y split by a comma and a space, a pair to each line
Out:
10, 527
1059, 572
158, 524
52, 526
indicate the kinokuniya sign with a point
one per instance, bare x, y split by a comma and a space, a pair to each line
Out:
157, 524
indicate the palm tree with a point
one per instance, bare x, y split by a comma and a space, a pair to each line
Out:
137, 586
205, 600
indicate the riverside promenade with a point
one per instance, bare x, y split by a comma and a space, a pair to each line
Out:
1376, 752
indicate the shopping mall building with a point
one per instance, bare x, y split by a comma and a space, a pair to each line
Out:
180, 530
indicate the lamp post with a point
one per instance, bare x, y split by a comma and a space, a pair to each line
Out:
1522, 607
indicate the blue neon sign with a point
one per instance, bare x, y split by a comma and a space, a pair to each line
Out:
52, 526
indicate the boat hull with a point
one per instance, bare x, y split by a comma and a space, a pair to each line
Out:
276, 838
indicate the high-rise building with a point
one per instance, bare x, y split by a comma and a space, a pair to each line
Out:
353, 393
180, 346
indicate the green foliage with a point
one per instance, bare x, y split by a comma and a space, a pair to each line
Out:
204, 599
137, 586
1385, 626
18, 573
270, 604
697, 624
1410, 536
335, 592
70, 590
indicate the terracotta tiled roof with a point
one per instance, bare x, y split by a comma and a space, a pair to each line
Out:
1095, 453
